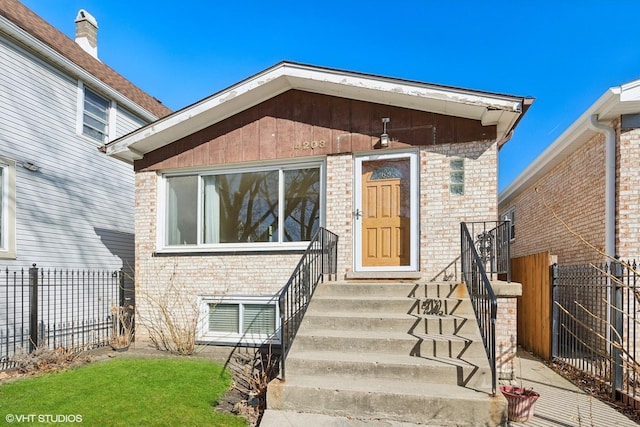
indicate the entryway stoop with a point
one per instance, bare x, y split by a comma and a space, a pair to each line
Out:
400, 352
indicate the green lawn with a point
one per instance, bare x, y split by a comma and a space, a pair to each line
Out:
123, 392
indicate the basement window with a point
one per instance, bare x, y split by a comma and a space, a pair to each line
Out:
240, 320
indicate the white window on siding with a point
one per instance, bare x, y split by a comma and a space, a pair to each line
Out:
248, 320
95, 117
7, 209
510, 215
456, 184
260, 207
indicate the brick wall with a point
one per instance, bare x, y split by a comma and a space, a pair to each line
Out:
441, 212
188, 276
506, 337
628, 194
572, 192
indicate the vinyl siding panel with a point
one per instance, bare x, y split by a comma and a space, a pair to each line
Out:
77, 210
126, 122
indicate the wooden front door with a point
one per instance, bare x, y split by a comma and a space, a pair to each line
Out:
384, 213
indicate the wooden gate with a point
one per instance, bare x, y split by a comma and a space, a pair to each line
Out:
535, 304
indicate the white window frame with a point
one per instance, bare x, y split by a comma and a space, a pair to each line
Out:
111, 116
8, 206
161, 237
510, 215
213, 337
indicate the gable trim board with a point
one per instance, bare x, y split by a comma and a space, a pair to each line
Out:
502, 111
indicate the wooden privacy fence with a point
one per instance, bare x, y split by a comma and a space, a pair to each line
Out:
535, 304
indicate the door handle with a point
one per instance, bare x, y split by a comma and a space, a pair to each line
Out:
358, 213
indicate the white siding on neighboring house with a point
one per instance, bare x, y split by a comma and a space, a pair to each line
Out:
77, 209
126, 122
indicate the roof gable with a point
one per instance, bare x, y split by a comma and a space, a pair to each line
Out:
614, 103
26, 20
502, 111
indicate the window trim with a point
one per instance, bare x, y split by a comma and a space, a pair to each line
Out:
161, 219
510, 214
8, 236
111, 115
209, 337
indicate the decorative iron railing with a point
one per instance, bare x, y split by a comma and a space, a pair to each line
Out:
478, 252
318, 261
492, 242
55, 308
595, 325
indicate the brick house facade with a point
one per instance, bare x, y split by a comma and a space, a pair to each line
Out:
294, 117
560, 201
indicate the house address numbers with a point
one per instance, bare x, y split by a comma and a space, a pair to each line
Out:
310, 145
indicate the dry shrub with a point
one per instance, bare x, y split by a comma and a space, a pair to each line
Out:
44, 359
251, 374
174, 316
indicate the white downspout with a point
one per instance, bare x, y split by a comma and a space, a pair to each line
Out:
609, 184
609, 202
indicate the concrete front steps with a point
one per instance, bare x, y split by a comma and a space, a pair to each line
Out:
390, 352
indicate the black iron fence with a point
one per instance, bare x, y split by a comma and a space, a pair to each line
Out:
483, 299
595, 319
58, 308
318, 261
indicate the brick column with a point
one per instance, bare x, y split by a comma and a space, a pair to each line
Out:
506, 327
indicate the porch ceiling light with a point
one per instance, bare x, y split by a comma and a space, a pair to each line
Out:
384, 138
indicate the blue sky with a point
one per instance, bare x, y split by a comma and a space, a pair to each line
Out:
563, 53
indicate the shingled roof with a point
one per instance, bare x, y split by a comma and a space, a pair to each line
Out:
31, 23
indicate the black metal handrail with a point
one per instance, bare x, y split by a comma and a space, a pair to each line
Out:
492, 242
319, 259
483, 299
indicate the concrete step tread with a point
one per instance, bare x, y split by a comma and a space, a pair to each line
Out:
388, 359
385, 298
389, 387
386, 315
381, 335
275, 418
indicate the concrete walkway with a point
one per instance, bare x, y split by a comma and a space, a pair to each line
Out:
561, 404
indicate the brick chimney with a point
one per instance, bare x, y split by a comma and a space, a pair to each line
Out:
87, 32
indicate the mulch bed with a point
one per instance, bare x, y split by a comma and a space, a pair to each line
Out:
595, 388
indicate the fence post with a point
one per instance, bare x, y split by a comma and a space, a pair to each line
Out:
121, 297
555, 312
33, 308
616, 371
